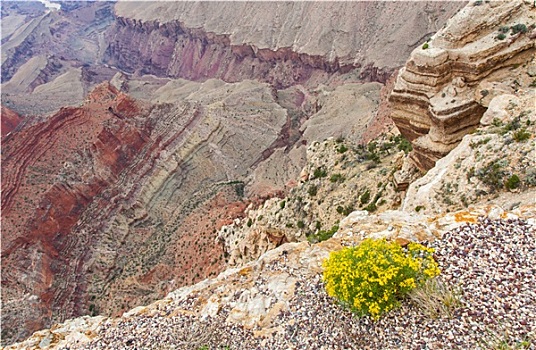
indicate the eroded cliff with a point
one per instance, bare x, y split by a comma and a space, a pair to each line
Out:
271, 41
101, 204
444, 89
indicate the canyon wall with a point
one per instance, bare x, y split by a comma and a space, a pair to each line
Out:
446, 85
117, 201
283, 43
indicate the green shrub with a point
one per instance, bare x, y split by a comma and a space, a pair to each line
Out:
492, 175
250, 222
345, 210
371, 207
373, 277
336, 178
425, 46
342, 149
519, 28
501, 36
405, 145
365, 197
282, 204
323, 235
300, 224
320, 172
312, 190
512, 182
521, 135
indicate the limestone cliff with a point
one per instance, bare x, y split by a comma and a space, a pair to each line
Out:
448, 81
271, 41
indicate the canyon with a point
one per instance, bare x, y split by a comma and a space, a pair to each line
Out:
135, 133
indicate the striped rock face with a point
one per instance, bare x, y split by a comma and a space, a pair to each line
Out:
446, 85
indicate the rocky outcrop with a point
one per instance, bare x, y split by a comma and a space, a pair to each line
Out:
338, 177
440, 95
229, 41
104, 205
263, 301
10, 120
496, 164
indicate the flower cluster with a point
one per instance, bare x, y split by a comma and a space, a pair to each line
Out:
373, 277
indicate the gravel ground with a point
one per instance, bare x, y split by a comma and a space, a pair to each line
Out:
492, 262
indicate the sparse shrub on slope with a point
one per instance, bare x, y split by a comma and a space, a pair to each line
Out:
373, 277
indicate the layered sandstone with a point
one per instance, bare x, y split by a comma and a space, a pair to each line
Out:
484, 166
439, 95
271, 41
10, 120
107, 204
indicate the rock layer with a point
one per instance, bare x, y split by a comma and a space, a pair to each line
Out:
101, 204
436, 99
270, 41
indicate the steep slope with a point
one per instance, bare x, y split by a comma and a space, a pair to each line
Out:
90, 186
10, 120
271, 41
442, 92
50, 59
496, 163
279, 301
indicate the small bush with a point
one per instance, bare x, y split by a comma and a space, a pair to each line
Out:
282, 204
365, 197
336, 178
501, 36
320, 172
250, 222
519, 28
323, 235
312, 190
372, 278
405, 145
530, 179
425, 46
504, 29
345, 210
492, 175
521, 135
512, 182
371, 207
300, 224
342, 149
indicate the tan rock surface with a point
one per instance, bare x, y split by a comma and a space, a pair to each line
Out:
347, 32
435, 102
481, 166
255, 294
